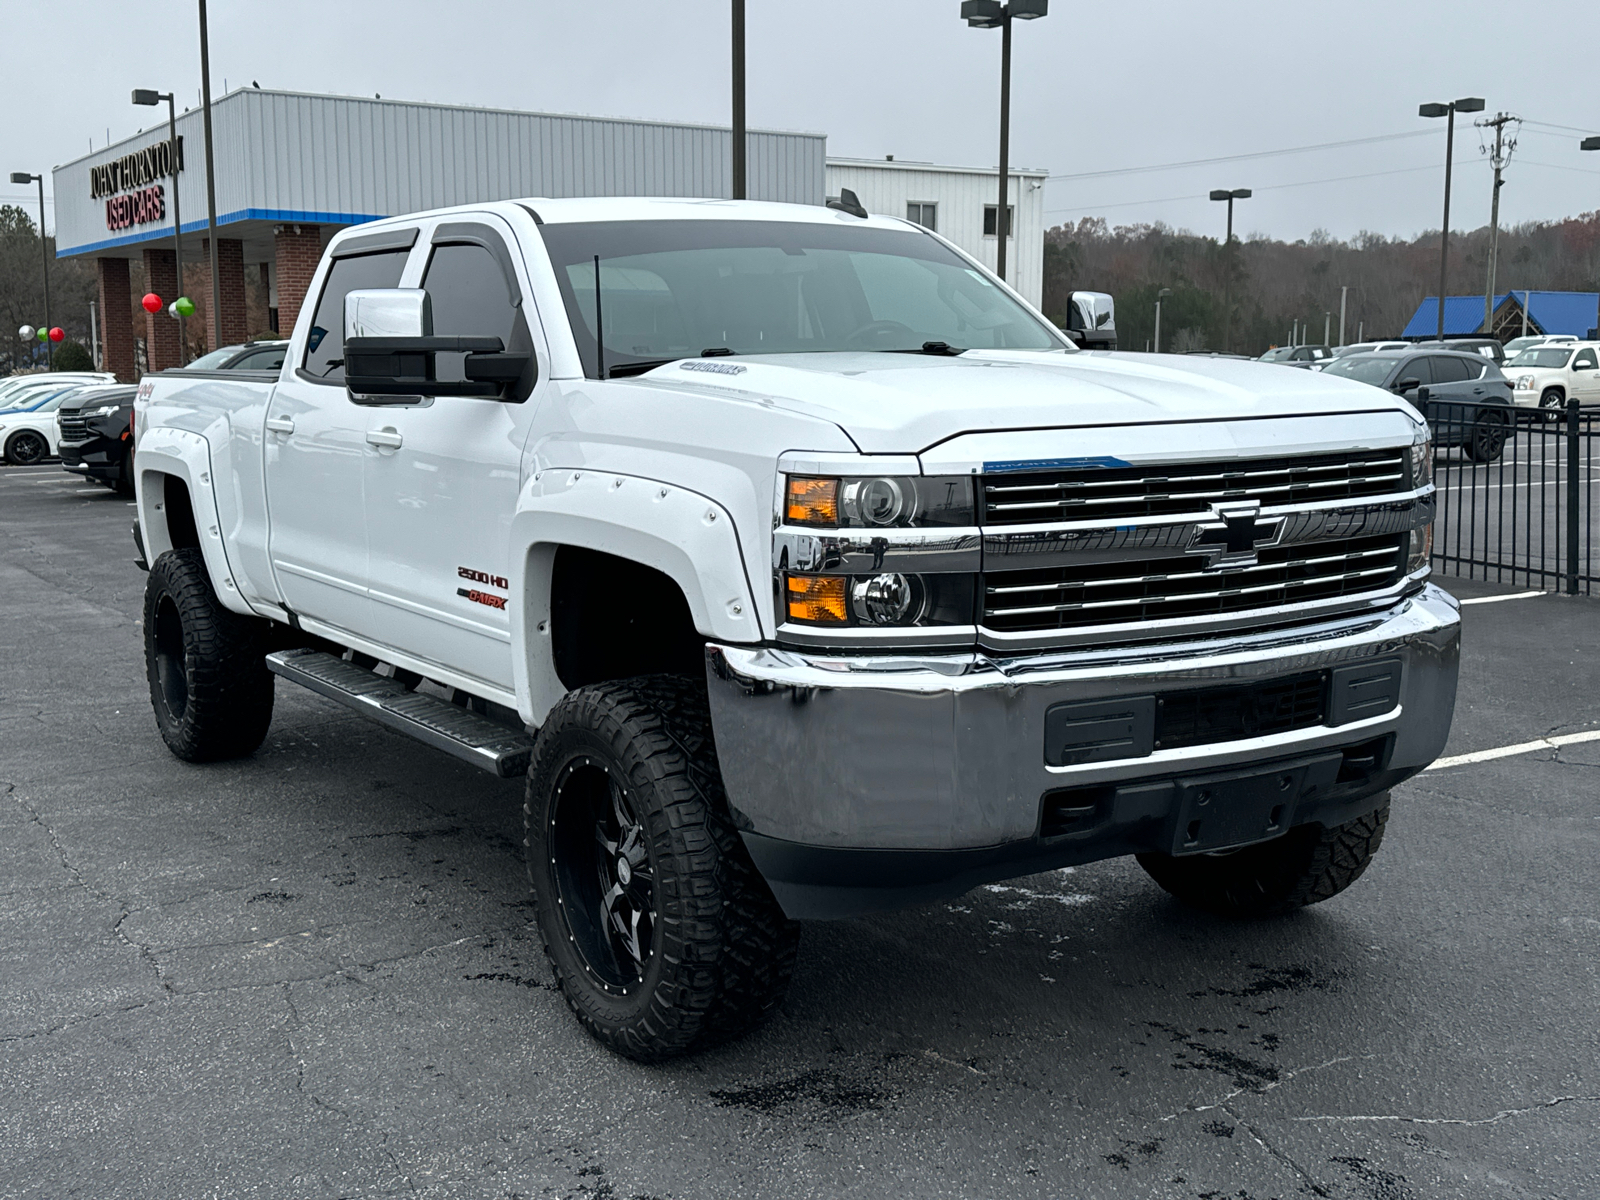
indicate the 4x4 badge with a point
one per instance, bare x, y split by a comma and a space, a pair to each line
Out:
1232, 539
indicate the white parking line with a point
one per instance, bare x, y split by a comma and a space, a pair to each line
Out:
1549, 743
1480, 599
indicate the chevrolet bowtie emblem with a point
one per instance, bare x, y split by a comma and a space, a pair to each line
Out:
1234, 536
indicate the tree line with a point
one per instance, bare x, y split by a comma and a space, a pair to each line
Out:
1278, 283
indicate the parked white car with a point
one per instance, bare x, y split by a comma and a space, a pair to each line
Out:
16, 389
1517, 345
1547, 376
31, 437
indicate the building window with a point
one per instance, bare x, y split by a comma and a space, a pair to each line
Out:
989, 211
924, 213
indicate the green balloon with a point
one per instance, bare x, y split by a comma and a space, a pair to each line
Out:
184, 305
43, 334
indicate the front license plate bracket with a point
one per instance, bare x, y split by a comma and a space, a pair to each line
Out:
1237, 808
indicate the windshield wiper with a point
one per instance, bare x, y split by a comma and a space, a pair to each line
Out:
944, 349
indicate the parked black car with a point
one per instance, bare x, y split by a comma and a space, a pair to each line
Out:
1465, 397
97, 435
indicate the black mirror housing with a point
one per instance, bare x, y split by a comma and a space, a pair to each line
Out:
406, 366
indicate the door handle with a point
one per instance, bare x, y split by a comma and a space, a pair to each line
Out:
388, 438
284, 425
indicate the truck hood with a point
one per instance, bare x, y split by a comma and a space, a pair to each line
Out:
908, 403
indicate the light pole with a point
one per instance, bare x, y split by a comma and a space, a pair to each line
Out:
148, 97
1161, 295
211, 179
24, 178
739, 170
1344, 293
1469, 104
1227, 265
991, 14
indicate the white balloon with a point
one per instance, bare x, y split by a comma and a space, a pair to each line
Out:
26, 333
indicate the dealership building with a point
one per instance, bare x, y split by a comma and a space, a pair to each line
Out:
292, 169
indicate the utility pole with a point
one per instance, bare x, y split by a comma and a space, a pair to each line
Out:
739, 168
1344, 294
1498, 159
1327, 322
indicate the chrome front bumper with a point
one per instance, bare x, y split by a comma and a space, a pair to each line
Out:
943, 757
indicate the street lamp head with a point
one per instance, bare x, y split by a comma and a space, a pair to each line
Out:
1163, 293
22, 177
982, 14
1221, 194
1434, 110
1470, 104
1589, 143
146, 96
1028, 10
1241, 193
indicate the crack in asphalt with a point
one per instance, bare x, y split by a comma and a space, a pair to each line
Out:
1502, 1115
1286, 1159
1283, 1078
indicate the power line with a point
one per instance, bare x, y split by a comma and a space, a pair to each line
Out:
1564, 128
1227, 158
1274, 187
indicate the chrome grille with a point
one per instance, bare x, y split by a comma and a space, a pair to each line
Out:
1162, 589
74, 427
1114, 493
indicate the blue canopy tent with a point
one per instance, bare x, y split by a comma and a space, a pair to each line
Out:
1577, 313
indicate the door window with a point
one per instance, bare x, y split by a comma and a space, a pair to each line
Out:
1585, 361
1417, 369
472, 297
325, 346
1449, 370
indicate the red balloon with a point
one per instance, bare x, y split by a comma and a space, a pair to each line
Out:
151, 302
57, 334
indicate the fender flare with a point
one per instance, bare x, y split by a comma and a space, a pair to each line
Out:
686, 536
166, 451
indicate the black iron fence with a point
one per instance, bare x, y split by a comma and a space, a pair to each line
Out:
1516, 494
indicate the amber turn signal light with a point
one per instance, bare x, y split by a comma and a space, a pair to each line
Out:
817, 599
811, 501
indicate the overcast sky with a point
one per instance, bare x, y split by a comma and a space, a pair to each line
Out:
1097, 88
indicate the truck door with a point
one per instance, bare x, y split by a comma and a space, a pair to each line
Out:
442, 481
315, 446
1586, 375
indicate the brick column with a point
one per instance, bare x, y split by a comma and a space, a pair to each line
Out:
116, 318
160, 330
298, 249
230, 289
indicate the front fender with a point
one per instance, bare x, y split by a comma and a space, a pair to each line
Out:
164, 451
686, 536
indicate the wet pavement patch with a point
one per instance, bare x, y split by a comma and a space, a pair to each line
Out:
823, 1088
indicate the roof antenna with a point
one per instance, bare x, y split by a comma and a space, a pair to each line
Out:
599, 324
847, 202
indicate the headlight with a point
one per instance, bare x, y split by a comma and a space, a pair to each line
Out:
1422, 460
878, 502
105, 410
881, 600
1524, 383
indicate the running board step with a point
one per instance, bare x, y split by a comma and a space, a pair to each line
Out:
440, 724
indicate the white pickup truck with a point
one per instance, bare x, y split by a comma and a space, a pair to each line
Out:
829, 578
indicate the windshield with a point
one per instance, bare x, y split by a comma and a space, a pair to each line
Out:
215, 360
1367, 369
1278, 355
681, 289
1541, 356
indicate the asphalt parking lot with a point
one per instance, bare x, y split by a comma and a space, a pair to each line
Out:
312, 974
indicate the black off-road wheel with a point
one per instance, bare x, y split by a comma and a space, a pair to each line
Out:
1307, 865
209, 683
663, 937
26, 447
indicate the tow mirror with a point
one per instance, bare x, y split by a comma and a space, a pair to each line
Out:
1406, 385
390, 351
